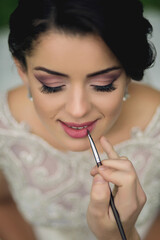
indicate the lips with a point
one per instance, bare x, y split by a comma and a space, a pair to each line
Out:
76, 130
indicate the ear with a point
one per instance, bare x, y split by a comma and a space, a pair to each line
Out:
21, 71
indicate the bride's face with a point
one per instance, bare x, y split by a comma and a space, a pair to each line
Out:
77, 83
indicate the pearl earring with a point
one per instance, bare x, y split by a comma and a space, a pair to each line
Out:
30, 95
126, 95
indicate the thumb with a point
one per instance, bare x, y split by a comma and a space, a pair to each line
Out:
100, 195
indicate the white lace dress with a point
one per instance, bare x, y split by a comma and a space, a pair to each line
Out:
52, 189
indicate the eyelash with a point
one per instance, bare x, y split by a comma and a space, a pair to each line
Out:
107, 88
46, 89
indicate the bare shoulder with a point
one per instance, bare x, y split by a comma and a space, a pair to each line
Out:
16, 101
144, 101
144, 95
20, 106
143, 90
23, 110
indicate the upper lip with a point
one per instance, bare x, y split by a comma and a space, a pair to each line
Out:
70, 124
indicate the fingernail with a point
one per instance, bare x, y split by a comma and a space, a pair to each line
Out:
99, 179
103, 137
102, 168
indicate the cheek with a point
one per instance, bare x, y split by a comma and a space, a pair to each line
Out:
114, 107
45, 106
110, 105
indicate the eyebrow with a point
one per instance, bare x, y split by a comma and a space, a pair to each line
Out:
88, 75
103, 71
50, 71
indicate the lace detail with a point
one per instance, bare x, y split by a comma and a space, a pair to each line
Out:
52, 188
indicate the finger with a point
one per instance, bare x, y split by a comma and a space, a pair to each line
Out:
122, 174
123, 157
126, 183
100, 194
99, 214
141, 194
108, 148
118, 177
118, 164
94, 171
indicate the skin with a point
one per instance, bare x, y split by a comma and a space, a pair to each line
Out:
119, 171
154, 232
76, 57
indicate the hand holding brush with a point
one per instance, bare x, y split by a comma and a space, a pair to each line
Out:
114, 218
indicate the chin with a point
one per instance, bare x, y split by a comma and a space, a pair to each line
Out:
79, 147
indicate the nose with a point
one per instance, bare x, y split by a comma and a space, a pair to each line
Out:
78, 102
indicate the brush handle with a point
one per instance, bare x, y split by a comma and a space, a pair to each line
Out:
115, 212
117, 217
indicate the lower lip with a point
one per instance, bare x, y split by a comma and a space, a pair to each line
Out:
74, 133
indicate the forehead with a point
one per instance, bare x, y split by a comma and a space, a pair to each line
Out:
56, 49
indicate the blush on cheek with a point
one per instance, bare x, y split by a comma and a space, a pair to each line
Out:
45, 106
42, 106
114, 107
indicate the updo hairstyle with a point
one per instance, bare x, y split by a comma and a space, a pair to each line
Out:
120, 23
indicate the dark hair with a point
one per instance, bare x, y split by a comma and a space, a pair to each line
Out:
120, 23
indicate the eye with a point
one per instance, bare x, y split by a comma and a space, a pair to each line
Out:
46, 89
106, 88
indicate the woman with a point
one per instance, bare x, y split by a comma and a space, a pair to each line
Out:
79, 61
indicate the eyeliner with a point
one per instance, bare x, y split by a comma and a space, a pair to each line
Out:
112, 204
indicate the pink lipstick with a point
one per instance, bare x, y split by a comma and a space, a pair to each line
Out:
76, 130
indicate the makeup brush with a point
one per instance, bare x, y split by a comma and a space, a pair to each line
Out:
115, 212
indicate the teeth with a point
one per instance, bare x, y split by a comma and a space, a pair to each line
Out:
78, 128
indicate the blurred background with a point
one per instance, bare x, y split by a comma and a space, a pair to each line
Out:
9, 77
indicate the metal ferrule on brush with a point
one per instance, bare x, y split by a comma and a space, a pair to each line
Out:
94, 150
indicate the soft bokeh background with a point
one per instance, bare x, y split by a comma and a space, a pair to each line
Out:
8, 75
